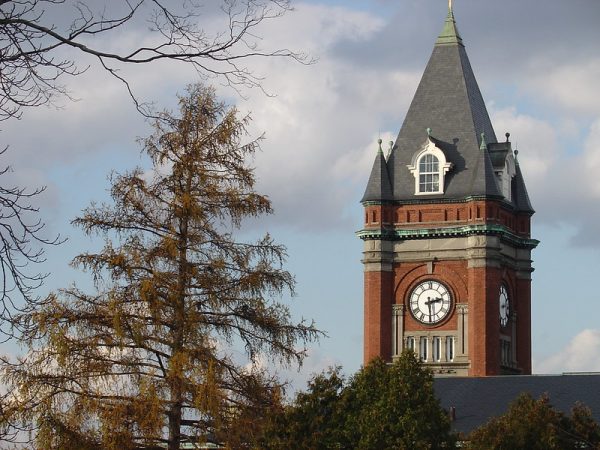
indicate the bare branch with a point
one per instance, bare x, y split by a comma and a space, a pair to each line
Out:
31, 68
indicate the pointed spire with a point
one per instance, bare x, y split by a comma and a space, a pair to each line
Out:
449, 101
449, 34
379, 187
520, 196
390, 148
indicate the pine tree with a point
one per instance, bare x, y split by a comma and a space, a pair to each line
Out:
145, 360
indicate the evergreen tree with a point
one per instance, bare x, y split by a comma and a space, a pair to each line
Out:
145, 361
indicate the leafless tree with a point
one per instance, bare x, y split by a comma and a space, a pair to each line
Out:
32, 62
21, 242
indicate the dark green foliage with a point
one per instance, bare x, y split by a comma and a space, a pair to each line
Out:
531, 424
383, 406
312, 420
394, 406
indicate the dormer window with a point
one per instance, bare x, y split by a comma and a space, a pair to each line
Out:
429, 166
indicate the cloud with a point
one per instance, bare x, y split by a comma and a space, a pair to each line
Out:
570, 88
536, 140
324, 119
581, 354
315, 363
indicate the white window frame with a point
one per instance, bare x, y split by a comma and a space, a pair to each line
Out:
450, 348
423, 350
429, 148
436, 349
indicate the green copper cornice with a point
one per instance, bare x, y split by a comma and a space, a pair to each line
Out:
449, 34
434, 201
460, 231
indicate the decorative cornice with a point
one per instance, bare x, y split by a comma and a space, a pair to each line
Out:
460, 231
434, 201
398, 308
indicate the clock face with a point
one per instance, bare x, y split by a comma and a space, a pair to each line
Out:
430, 302
504, 306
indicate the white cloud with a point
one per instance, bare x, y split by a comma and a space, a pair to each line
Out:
581, 354
569, 87
314, 363
321, 127
536, 140
590, 160
355, 164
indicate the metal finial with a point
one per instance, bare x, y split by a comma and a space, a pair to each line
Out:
428, 131
379, 141
483, 145
450, 5
507, 136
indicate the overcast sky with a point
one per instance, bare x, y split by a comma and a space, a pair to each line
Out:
538, 67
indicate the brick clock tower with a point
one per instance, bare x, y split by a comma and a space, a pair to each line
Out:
447, 245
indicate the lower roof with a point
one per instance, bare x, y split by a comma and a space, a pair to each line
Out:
477, 399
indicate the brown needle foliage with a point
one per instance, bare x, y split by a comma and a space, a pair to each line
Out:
146, 360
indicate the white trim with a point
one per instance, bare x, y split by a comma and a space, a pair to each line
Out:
429, 148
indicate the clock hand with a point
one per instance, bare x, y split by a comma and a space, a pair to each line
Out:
435, 300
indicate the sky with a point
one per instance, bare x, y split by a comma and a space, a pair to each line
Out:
537, 65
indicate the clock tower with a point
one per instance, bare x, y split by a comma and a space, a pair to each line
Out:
447, 244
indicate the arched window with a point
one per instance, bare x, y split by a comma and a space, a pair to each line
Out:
429, 173
429, 166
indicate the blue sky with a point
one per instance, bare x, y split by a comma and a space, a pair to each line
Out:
538, 68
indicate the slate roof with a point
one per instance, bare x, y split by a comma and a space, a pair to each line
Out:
477, 399
379, 186
519, 191
448, 102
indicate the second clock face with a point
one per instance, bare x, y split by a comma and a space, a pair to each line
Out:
430, 302
504, 306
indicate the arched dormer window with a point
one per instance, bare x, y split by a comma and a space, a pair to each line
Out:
429, 167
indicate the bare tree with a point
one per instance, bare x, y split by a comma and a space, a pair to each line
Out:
145, 360
22, 242
32, 67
